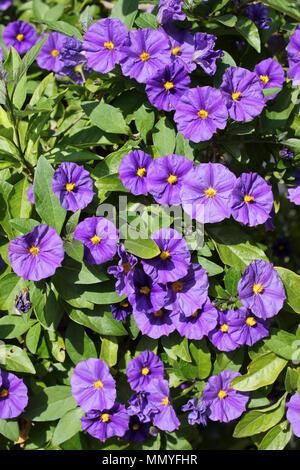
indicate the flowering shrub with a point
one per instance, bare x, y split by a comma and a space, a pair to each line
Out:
149, 220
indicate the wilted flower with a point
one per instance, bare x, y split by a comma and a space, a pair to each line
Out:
74, 61
286, 153
200, 112
92, 385
204, 54
122, 270
30, 194
258, 13
197, 411
22, 301
121, 310
170, 10
139, 405
261, 289
5, 4
37, 254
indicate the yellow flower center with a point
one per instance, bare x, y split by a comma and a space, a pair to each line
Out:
98, 384
164, 255
34, 250
70, 186
109, 45
177, 286
177, 49
136, 427
144, 290
235, 96
145, 56
165, 401
20, 37
54, 52
126, 267
210, 192
95, 240
172, 179
202, 114
248, 199
264, 78
169, 85
250, 321
124, 303
145, 371
140, 172
222, 394
105, 417
195, 314
257, 288
159, 313
4, 393
224, 328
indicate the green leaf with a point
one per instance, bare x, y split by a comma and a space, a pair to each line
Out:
9, 429
126, 11
286, 7
232, 360
47, 203
255, 422
82, 273
15, 359
146, 20
110, 183
102, 294
283, 344
106, 117
164, 136
28, 59
19, 204
231, 280
50, 404
23, 225
109, 351
144, 121
62, 27
211, 268
99, 320
270, 91
277, 438
202, 357
146, 249
291, 282
262, 371
10, 287
12, 326
79, 345
32, 338
227, 20
67, 426
176, 346
249, 31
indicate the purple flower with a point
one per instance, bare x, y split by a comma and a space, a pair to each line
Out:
30, 194
5, 4
261, 289
102, 44
139, 405
247, 328
144, 368
122, 270
20, 35
49, 56
92, 385
144, 52
173, 261
242, 94
22, 301
199, 324
294, 57
145, 295
121, 310
106, 423
159, 396
100, 238
137, 431
74, 61
181, 43
165, 178
189, 293
166, 87
221, 336
13, 395
170, 10
251, 200
286, 153
269, 226
197, 411
73, 186
37, 254
204, 54
294, 195
258, 13
270, 74
206, 193
156, 324
225, 404
133, 171
200, 112
293, 413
